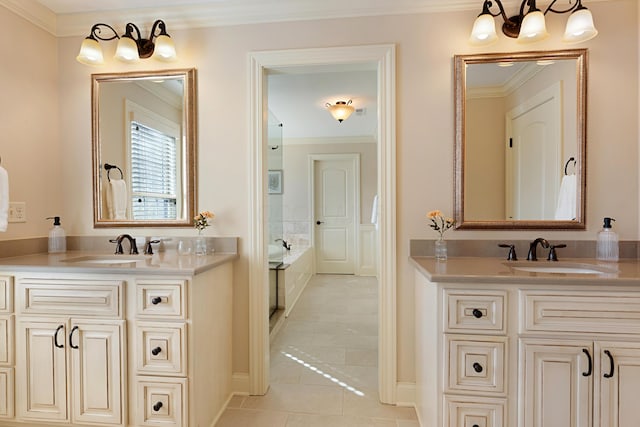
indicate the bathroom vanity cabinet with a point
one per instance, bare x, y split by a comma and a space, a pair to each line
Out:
527, 350
115, 349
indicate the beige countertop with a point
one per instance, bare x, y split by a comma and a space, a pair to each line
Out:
87, 262
495, 270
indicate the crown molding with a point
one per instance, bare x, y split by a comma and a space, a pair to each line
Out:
219, 13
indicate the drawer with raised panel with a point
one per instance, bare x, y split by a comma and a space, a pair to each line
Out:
70, 297
476, 363
614, 312
161, 402
6, 340
161, 348
461, 411
6, 294
6, 392
161, 299
474, 312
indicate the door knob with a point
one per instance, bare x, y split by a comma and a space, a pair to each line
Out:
319, 222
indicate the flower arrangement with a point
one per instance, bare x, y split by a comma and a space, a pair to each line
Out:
439, 223
201, 221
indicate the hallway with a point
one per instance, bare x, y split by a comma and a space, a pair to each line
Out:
324, 364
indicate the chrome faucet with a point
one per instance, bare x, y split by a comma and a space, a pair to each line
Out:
133, 248
531, 256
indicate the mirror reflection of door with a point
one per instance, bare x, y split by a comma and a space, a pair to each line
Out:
534, 133
335, 194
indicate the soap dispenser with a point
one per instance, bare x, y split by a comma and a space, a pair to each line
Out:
57, 237
607, 244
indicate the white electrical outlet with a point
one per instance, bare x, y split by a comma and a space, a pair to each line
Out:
17, 212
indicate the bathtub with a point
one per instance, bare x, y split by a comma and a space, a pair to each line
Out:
295, 274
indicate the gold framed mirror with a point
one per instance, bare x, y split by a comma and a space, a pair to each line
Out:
520, 145
144, 148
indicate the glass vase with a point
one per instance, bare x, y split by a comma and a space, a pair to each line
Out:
200, 244
441, 250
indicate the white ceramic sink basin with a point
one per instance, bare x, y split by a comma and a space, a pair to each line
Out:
554, 268
105, 259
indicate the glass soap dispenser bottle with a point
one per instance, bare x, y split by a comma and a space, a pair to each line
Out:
57, 237
607, 243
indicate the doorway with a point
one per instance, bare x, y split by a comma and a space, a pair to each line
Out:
383, 57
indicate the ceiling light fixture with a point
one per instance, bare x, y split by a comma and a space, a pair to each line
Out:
340, 110
530, 27
131, 46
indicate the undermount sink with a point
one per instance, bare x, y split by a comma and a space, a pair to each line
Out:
105, 259
564, 268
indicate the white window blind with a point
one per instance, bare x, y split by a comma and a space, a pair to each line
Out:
153, 173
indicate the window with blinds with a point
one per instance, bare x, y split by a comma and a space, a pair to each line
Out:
153, 173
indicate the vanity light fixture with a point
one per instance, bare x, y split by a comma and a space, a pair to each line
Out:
530, 27
340, 110
131, 46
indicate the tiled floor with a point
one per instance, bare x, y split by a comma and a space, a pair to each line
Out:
324, 364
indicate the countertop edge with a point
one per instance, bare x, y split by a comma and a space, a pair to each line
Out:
187, 265
460, 270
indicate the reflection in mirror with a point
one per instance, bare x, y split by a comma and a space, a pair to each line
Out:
144, 145
520, 140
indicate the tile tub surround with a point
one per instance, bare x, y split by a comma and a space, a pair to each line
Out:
489, 248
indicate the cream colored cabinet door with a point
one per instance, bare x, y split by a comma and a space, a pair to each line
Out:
95, 351
617, 385
41, 369
556, 390
97, 380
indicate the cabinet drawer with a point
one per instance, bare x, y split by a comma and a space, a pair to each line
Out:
161, 299
471, 312
161, 348
6, 294
71, 297
476, 363
6, 340
474, 412
161, 402
584, 311
6, 392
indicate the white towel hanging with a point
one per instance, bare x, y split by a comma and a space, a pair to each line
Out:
4, 199
566, 208
117, 199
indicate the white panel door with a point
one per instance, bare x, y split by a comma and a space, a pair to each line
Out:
534, 157
41, 369
618, 384
557, 384
335, 215
96, 355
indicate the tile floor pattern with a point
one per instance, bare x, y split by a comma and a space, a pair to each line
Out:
324, 364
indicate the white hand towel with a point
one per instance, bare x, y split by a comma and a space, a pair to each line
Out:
566, 208
117, 199
374, 211
4, 199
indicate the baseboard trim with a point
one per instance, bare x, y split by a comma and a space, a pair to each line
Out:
240, 383
406, 394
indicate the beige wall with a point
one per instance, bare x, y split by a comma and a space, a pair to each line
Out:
425, 131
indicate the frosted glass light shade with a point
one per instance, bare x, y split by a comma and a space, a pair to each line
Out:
127, 50
90, 52
165, 49
580, 27
484, 31
533, 28
340, 110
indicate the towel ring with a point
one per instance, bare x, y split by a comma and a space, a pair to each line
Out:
108, 168
571, 159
